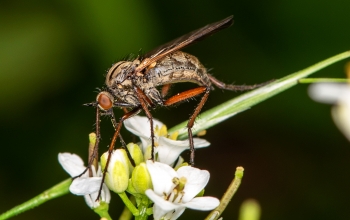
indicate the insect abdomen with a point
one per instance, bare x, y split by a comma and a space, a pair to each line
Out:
178, 67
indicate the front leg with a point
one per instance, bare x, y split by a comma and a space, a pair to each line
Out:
93, 155
145, 102
131, 113
115, 125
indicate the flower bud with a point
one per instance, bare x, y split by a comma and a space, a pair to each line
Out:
117, 175
136, 153
148, 152
140, 179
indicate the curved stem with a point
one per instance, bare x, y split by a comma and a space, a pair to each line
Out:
129, 204
323, 80
54, 192
232, 189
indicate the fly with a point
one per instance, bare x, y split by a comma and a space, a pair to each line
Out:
133, 85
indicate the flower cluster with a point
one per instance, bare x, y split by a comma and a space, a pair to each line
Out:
171, 190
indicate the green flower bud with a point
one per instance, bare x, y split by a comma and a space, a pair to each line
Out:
130, 188
148, 153
136, 153
117, 175
140, 179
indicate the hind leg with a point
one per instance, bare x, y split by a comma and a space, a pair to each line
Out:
187, 95
222, 85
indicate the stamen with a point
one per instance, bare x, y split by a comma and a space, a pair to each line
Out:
173, 136
165, 196
156, 130
179, 197
176, 181
163, 131
182, 183
172, 195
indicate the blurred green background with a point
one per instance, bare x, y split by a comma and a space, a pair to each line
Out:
53, 54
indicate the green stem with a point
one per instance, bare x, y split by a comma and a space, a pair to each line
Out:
126, 214
54, 192
323, 80
143, 207
129, 204
232, 189
102, 211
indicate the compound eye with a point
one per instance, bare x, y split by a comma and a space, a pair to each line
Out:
104, 101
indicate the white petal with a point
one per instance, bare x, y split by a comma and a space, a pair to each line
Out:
90, 201
196, 180
106, 194
341, 117
203, 203
328, 92
179, 162
83, 186
161, 206
199, 143
162, 176
166, 205
169, 150
140, 126
159, 213
71, 163
338, 94
178, 212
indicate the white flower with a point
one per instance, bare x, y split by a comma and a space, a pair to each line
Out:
85, 185
167, 149
174, 191
338, 94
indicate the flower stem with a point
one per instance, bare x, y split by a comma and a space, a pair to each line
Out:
54, 192
102, 211
236, 182
323, 80
126, 214
143, 205
129, 204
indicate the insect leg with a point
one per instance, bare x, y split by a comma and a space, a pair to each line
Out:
186, 95
115, 124
94, 153
222, 85
165, 90
114, 139
145, 101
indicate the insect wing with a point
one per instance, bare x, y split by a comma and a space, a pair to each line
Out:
184, 41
